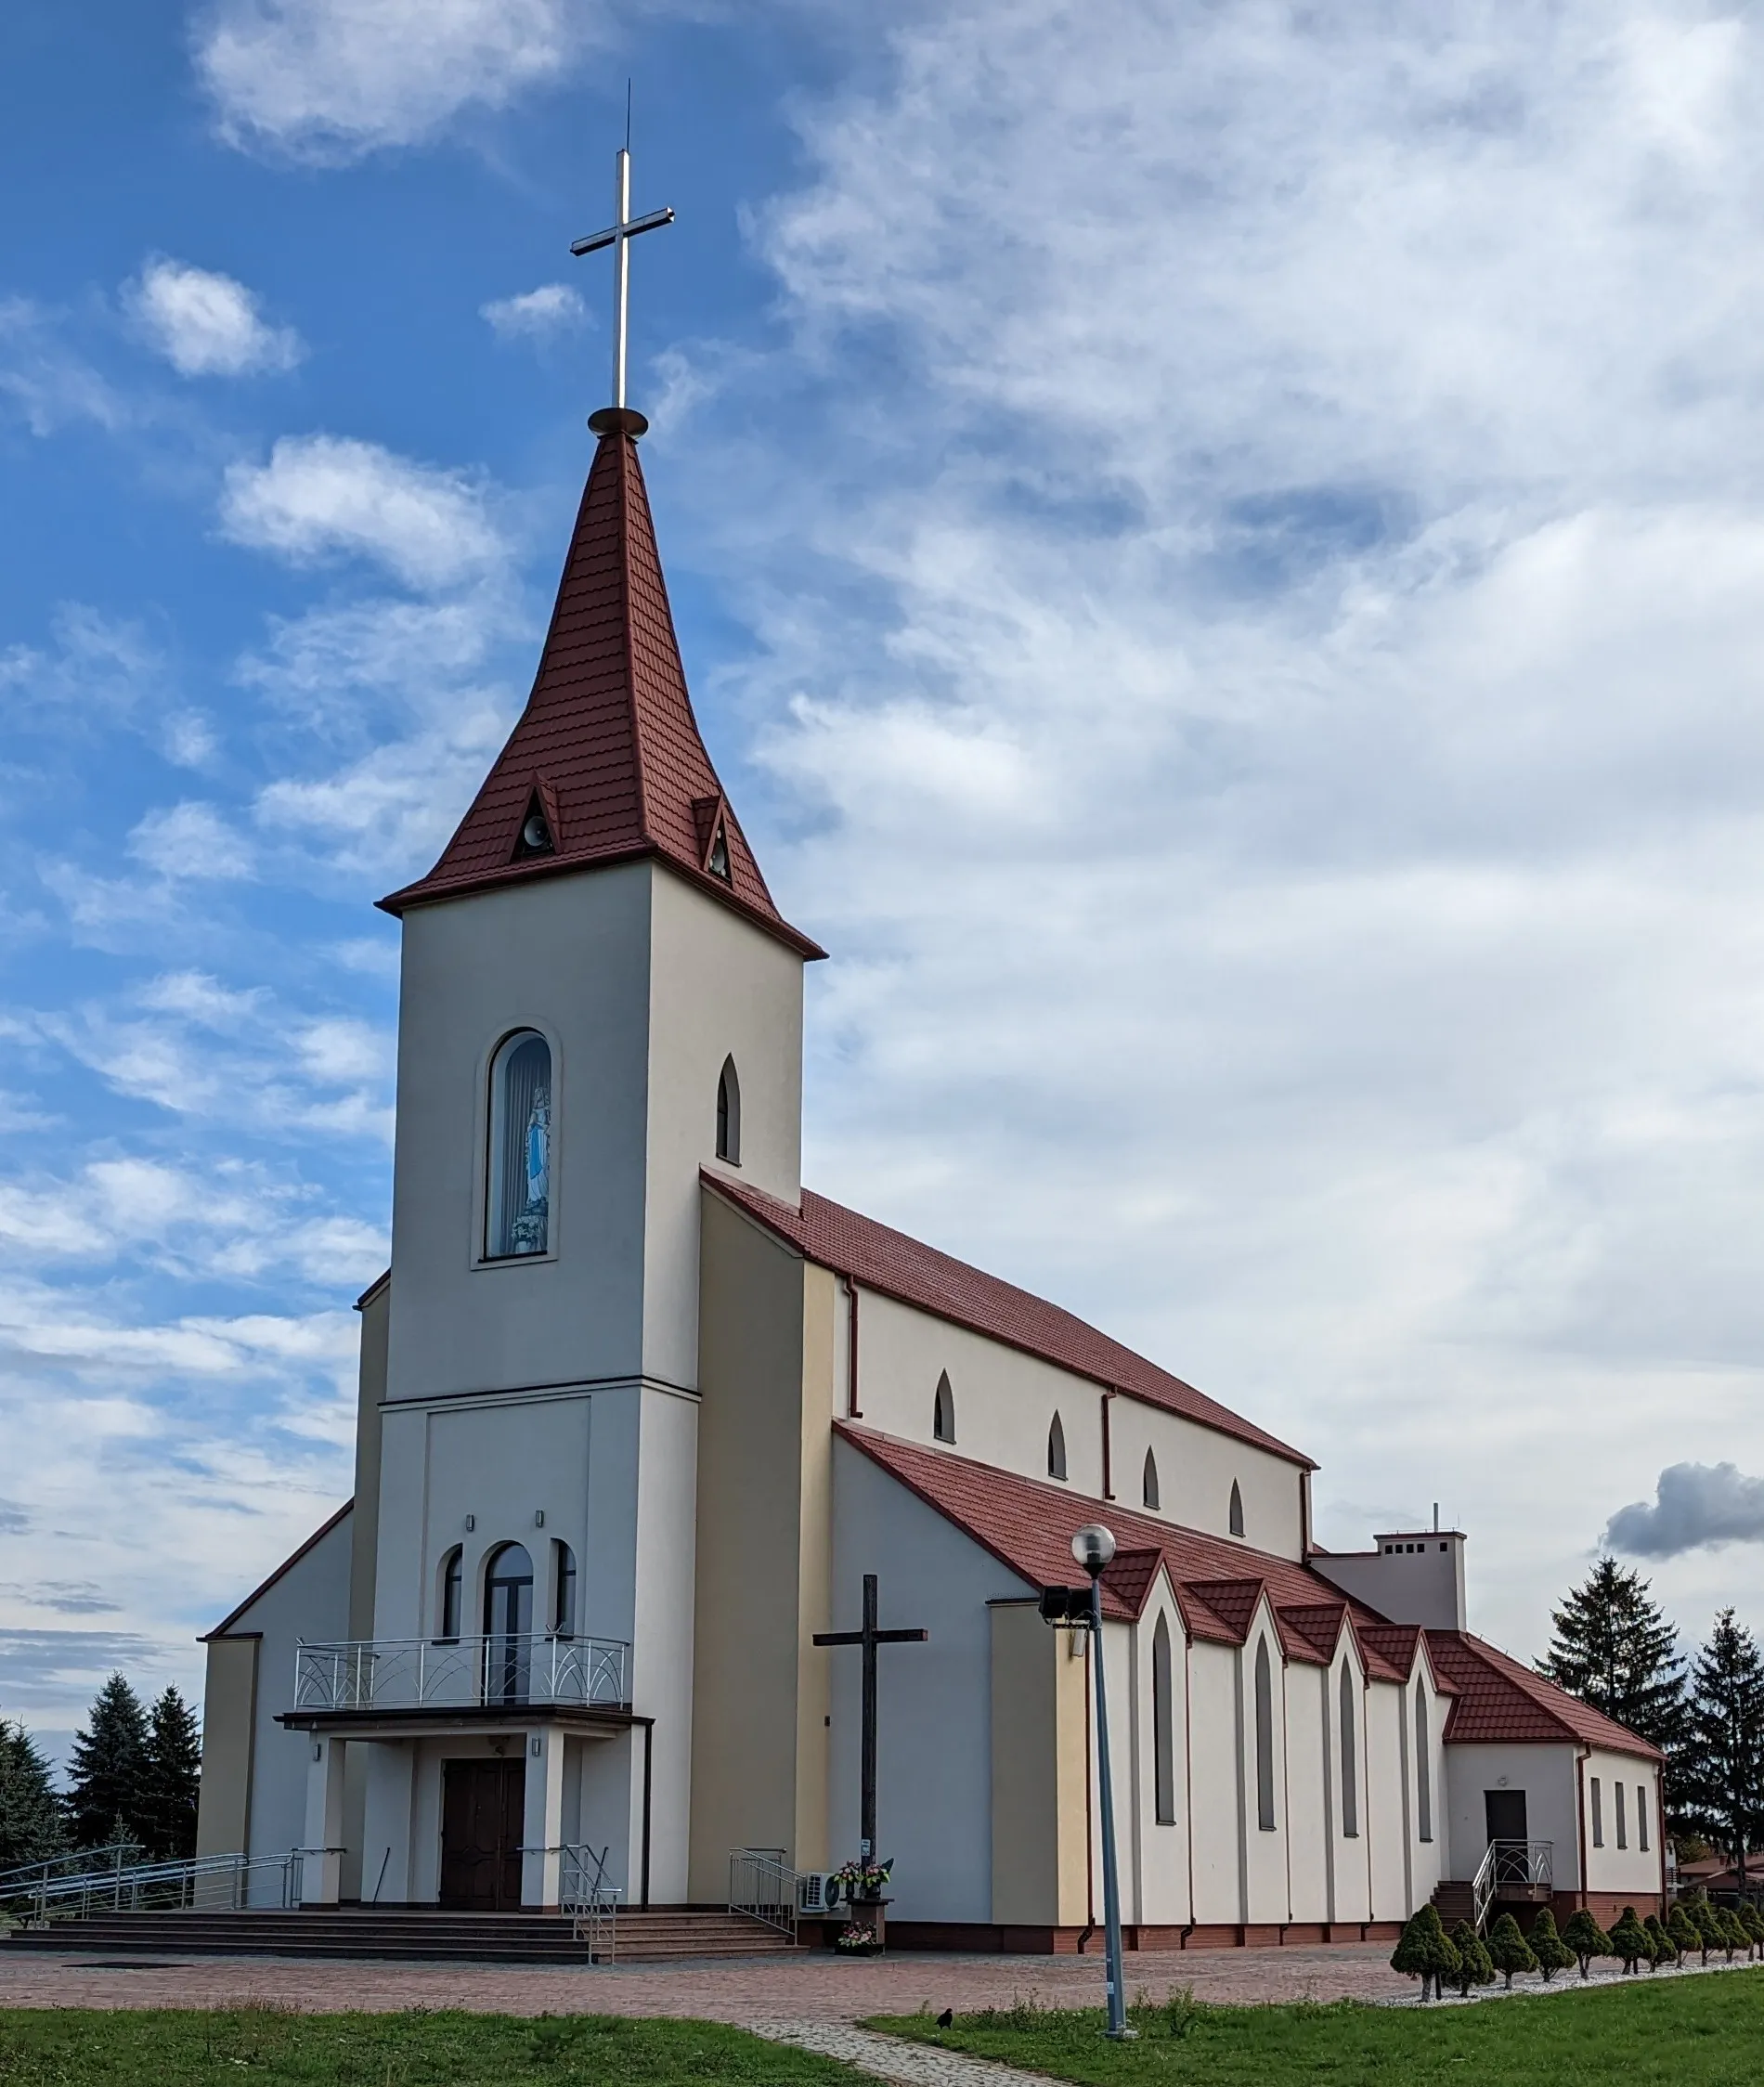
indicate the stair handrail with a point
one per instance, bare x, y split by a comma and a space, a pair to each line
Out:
763, 1886
133, 1888
1481, 1887
1531, 1864
592, 1903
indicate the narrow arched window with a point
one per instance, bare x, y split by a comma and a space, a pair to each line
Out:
564, 1590
1148, 1484
452, 1587
943, 1410
728, 1114
1263, 1737
1056, 1449
508, 1625
519, 1204
1423, 1767
1234, 1521
1163, 1731
1350, 1758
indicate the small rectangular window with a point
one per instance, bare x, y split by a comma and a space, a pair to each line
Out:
1622, 1814
1598, 1814
1642, 1817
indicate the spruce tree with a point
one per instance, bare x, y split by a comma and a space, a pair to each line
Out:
109, 1758
1553, 1953
1613, 1648
33, 1821
171, 1778
1682, 1931
1701, 1915
1586, 1938
1475, 1967
1720, 1774
1424, 1951
1665, 1950
1507, 1948
1629, 1943
1733, 1935
1753, 1923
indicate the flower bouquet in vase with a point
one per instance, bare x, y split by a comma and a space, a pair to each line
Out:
861, 1886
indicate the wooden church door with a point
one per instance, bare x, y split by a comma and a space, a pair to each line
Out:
482, 1820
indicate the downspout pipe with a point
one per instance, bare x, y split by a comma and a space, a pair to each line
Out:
852, 1410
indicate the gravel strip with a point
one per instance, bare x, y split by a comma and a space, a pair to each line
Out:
887, 2058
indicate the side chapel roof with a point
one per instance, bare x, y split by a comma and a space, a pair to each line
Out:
906, 1269
607, 749
1500, 1699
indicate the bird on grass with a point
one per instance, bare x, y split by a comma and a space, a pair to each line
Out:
946, 2019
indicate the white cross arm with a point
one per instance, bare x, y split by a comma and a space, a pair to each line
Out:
595, 240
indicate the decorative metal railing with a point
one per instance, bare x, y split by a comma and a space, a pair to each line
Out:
764, 1886
590, 1902
461, 1673
1510, 1866
62, 1889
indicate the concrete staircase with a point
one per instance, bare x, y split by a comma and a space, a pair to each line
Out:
649, 1935
1456, 1902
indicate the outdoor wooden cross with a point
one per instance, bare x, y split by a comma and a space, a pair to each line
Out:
869, 1638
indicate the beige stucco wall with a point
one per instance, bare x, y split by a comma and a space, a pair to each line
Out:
1633, 1868
230, 1716
1390, 1801
376, 1319
1038, 1718
1310, 1809
1215, 1719
1157, 1872
1546, 1776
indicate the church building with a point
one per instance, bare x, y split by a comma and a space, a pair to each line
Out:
639, 1411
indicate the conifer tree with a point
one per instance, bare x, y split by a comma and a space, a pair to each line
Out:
171, 1778
109, 1761
1586, 1938
1553, 1953
1613, 1648
33, 1820
1475, 1967
1720, 1773
1665, 1950
1701, 1915
1753, 1923
1507, 1948
1424, 1951
1733, 1935
1682, 1931
1629, 1943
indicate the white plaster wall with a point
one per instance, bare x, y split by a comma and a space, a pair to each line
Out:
1309, 1809
1428, 1859
568, 955
1004, 1404
934, 1746
1612, 1868
1217, 1795
1390, 1791
1350, 1858
310, 1600
1419, 1579
662, 1639
1546, 1776
719, 988
1155, 1868
1128, 1764
1264, 1853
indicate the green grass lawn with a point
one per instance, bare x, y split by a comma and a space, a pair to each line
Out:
167, 2048
1680, 2032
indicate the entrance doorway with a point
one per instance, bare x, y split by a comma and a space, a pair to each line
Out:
482, 1820
1505, 1813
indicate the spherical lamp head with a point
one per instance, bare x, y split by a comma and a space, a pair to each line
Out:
1093, 1547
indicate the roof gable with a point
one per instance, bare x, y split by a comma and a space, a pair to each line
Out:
1498, 1699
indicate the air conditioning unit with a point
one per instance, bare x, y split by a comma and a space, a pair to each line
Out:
817, 1891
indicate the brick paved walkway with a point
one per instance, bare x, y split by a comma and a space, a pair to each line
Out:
795, 1989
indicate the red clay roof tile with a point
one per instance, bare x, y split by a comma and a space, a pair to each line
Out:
607, 742
884, 1260
1500, 1700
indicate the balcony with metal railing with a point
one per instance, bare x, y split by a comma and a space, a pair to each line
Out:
406, 1675
1513, 1870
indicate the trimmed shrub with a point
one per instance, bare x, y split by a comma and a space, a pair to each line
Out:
1664, 1948
1733, 1935
1685, 1935
1703, 1917
1553, 1953
1629, 1943
1424, 1951
1753, 1923
1473, 1965
1586, 1938
1507, 1948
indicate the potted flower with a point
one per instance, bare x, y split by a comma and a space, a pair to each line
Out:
861, 1885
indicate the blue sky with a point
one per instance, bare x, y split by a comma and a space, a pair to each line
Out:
1221, 563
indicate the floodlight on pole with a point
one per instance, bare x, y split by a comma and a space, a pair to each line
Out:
1093, 1547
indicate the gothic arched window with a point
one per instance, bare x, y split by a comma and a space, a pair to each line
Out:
1148, 1484
943, 1410
1423, 1766
728, 1114
508, 1623
452, 1586
1234, 1518
1163, 1733
519, 1203
1350, 1759
1056, 1449
564, 1590
1263, 1737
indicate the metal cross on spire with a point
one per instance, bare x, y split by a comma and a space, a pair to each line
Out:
618, 236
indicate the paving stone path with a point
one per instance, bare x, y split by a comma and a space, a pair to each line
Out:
886, 2058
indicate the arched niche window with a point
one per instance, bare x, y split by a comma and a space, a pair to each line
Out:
1423, 1767
943, 1410
452, 1590
1148, 1482
562, 1589
1234, 1520
1164, 1731
518, 1206
728, 1114
1350, 1758
1263, 1737
1056, 1449
508, 1623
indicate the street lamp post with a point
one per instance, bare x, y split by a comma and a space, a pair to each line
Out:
1093, 1547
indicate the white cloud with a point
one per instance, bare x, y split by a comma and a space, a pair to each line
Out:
49, 384
328, 80
191, 842
208, 325
320, 495
537, 314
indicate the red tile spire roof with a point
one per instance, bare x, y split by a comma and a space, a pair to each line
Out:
607, 750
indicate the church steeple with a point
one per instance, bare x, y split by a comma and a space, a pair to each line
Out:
606, 763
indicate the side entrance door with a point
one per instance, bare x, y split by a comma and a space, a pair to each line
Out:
1505, 1813
483, 1812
